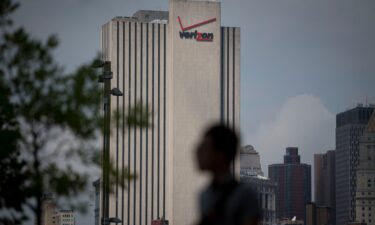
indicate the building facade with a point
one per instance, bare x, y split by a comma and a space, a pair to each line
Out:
349, 129
293, 185
250, 162
365, 185
96, 185
290, 222
324, 182
51, 215
318, 215
183, 67
49, 210
65, 217
251, 173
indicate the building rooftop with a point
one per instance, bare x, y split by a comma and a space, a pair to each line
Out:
248, 149
357, 115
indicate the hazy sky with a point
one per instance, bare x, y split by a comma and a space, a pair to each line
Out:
302, 62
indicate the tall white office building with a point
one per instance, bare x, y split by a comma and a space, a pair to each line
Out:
184, 68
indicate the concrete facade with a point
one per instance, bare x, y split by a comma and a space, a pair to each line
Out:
250, 161
365, 185
251, 173
350, 126
49, 210
51, 215
65, 217
187, 78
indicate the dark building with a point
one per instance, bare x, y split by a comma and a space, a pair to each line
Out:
293, 185
317, 215
349, 129
265, 189
324, 177
96, 185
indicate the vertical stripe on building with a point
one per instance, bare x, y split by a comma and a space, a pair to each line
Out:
134, 127
147, 128
222, 94
234, 86
117, 111
140, 144
129, 112
153, 122
158, 163
123, 121
165, 108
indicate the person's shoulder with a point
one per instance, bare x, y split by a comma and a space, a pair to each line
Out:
245, 189
248, 203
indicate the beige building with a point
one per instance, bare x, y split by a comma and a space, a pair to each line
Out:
65, 217
51, 215
49, 210
365, 188
250, 162
251, 173
184, 68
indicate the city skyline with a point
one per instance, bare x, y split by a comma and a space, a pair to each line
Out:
328, 69
269, 102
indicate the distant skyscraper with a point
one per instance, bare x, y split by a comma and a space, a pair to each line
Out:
317, 215
251, 172
349, 129
324, 176
293, 185
365, 193
250, 161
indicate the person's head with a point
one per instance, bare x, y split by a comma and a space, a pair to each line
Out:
217, 149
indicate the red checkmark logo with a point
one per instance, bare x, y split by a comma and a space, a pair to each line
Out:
194, 25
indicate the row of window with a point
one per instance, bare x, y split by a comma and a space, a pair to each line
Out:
363, 221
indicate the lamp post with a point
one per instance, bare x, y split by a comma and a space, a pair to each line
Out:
105, 78
107, 221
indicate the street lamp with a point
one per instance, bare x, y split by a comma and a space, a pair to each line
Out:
107, 221
116, 92
105, 78
107, 75
99, 63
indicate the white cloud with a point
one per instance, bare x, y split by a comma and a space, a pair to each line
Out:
302, 121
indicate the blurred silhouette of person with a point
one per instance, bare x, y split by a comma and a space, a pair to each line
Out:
225, 201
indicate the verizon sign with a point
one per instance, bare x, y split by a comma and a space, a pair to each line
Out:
187, 33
